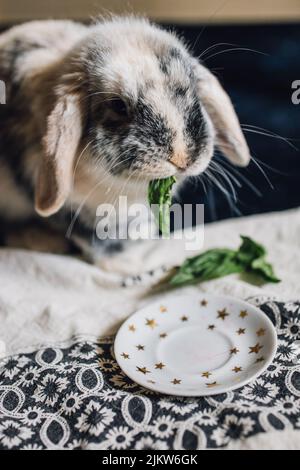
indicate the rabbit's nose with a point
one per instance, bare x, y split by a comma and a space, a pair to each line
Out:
179, 160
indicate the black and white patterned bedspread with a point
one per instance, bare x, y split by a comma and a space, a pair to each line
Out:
74, 396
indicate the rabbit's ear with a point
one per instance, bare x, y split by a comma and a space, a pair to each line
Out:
229, 135
64, 131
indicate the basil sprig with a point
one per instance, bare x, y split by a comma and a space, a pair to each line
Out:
219, 262
160, 194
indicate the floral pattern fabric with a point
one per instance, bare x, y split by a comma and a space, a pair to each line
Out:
74, 396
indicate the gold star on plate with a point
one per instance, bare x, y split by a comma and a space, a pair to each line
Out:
222, 314
255, 349
132, 328
184, 318
211, 327
234, 351
143, 370
241, 331
159, 365
243, 314
212, 384
140, 347
206, 374
260, 359
261, 332
203, 303
125, 355
236, 370
151, 323
162, 309
163, 335
176, 381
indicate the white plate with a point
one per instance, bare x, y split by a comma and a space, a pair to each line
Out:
196, 345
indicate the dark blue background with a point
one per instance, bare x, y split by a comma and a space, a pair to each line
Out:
260, 87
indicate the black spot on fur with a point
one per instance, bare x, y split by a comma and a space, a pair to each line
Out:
152, 126
163, 65
195, 130
194, 120
166, 60
175, 53
180, 91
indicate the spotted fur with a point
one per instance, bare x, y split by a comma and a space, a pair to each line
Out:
90, 107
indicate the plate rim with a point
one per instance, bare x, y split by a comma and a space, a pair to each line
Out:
209, 392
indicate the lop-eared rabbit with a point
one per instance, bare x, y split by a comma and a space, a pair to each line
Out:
100, 110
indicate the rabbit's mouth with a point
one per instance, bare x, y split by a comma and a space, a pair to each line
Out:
178, 164
166, 169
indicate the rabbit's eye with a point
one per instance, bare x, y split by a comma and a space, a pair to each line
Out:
112, 112
119, 107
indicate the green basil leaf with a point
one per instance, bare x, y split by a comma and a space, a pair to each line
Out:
219, 262
260, 267
160, 195
209, 265
249, 250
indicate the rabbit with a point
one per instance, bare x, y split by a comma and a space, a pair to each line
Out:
94, 111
